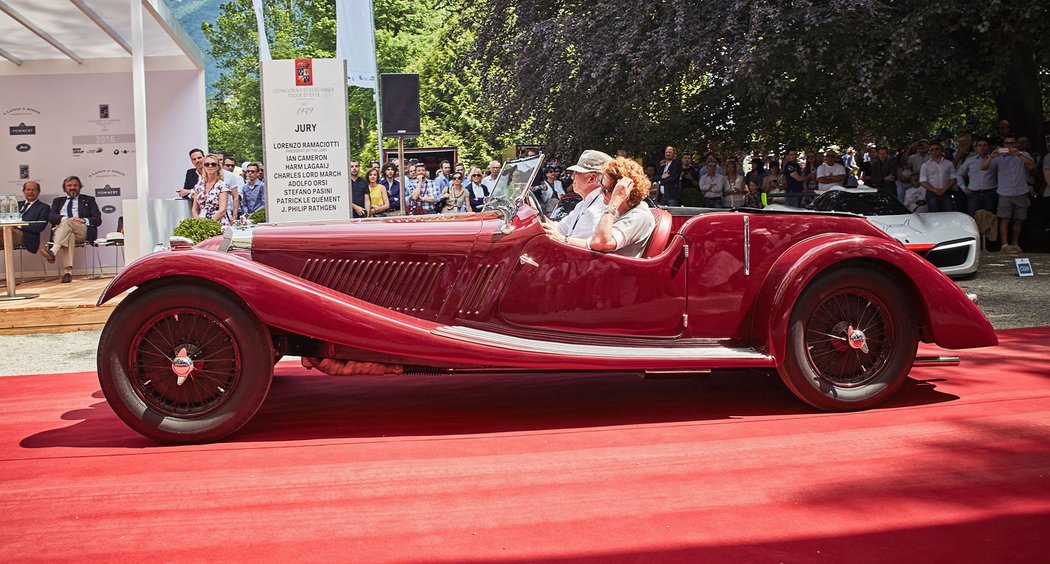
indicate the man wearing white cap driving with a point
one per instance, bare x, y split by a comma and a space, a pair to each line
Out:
586, 179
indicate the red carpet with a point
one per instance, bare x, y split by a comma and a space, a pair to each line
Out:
727, 467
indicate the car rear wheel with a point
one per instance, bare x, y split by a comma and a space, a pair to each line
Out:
851, 340
184, 364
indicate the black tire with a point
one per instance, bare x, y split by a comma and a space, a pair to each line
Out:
230, 377
822, 366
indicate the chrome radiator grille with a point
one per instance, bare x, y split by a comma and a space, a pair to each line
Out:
405, 286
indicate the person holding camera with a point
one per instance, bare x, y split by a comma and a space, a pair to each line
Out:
1010, 166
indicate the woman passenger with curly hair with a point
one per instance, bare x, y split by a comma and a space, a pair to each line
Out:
627, 223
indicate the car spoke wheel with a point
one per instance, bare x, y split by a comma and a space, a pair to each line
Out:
184, 364
198, 343
851, 341
848, 338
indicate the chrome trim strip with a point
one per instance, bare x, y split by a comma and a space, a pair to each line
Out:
567, 349
747, 246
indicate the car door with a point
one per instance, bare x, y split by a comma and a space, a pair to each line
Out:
561, 288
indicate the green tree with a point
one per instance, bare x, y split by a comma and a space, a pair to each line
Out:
302, 28
611, 73
411, 36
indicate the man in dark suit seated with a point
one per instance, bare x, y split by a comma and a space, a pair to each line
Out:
76, 218
35, 212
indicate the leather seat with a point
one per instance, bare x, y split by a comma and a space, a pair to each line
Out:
661, 233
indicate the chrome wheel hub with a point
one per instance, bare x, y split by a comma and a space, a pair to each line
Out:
856, 339
182, 365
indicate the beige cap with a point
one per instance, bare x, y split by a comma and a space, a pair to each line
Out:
591, 161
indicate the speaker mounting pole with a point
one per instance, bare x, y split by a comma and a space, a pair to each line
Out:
401, 170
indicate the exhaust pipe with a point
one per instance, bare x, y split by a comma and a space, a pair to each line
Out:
936, 361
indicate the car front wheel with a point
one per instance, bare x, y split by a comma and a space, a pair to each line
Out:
184, 364
851, 340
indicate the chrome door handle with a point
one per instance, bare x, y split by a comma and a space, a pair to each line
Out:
526, 259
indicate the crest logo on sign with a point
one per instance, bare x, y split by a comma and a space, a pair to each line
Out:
22, 129
304, 72
22, 147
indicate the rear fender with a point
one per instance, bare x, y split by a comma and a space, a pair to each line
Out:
942, 310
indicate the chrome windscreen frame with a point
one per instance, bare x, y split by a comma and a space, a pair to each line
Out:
237, 237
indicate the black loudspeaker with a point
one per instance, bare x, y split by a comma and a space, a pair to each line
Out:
400, 104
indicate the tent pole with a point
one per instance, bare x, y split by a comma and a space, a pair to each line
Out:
138, 81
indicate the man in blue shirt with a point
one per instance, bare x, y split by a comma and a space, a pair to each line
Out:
253, 194
977, 184
1011, 167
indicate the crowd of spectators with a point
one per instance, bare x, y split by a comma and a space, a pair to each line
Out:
220, 189
995, 173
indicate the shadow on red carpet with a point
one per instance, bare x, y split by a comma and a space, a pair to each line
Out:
306, 405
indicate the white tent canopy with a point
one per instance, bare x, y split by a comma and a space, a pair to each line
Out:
129, 56
88, 31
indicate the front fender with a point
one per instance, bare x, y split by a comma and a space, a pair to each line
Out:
277, 298
947, 315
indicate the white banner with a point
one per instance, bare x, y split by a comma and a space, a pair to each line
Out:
264, 42
305, 136
355, 41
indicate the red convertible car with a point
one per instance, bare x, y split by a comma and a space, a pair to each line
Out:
830, 302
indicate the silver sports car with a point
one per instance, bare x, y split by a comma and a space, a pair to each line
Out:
949, 240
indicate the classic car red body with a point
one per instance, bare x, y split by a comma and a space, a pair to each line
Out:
492, 292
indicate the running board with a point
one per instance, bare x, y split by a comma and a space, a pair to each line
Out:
671, 359
936, 361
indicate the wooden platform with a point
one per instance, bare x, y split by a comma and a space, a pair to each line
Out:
60, 308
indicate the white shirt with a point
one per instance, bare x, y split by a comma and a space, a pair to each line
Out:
551, 190
489, 182
76, 206
713, 186
833, 170
938, 174
582, 220
234, 181
476, 193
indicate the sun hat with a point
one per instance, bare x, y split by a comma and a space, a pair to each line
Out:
591, 161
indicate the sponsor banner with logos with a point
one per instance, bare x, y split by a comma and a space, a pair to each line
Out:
305, 139
83, 124
49, 133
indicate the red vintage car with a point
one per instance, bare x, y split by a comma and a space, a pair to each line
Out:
830, 302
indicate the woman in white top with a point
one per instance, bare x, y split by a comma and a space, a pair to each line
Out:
734, 197
551, 188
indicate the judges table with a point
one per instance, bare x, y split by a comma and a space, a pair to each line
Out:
9, 262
